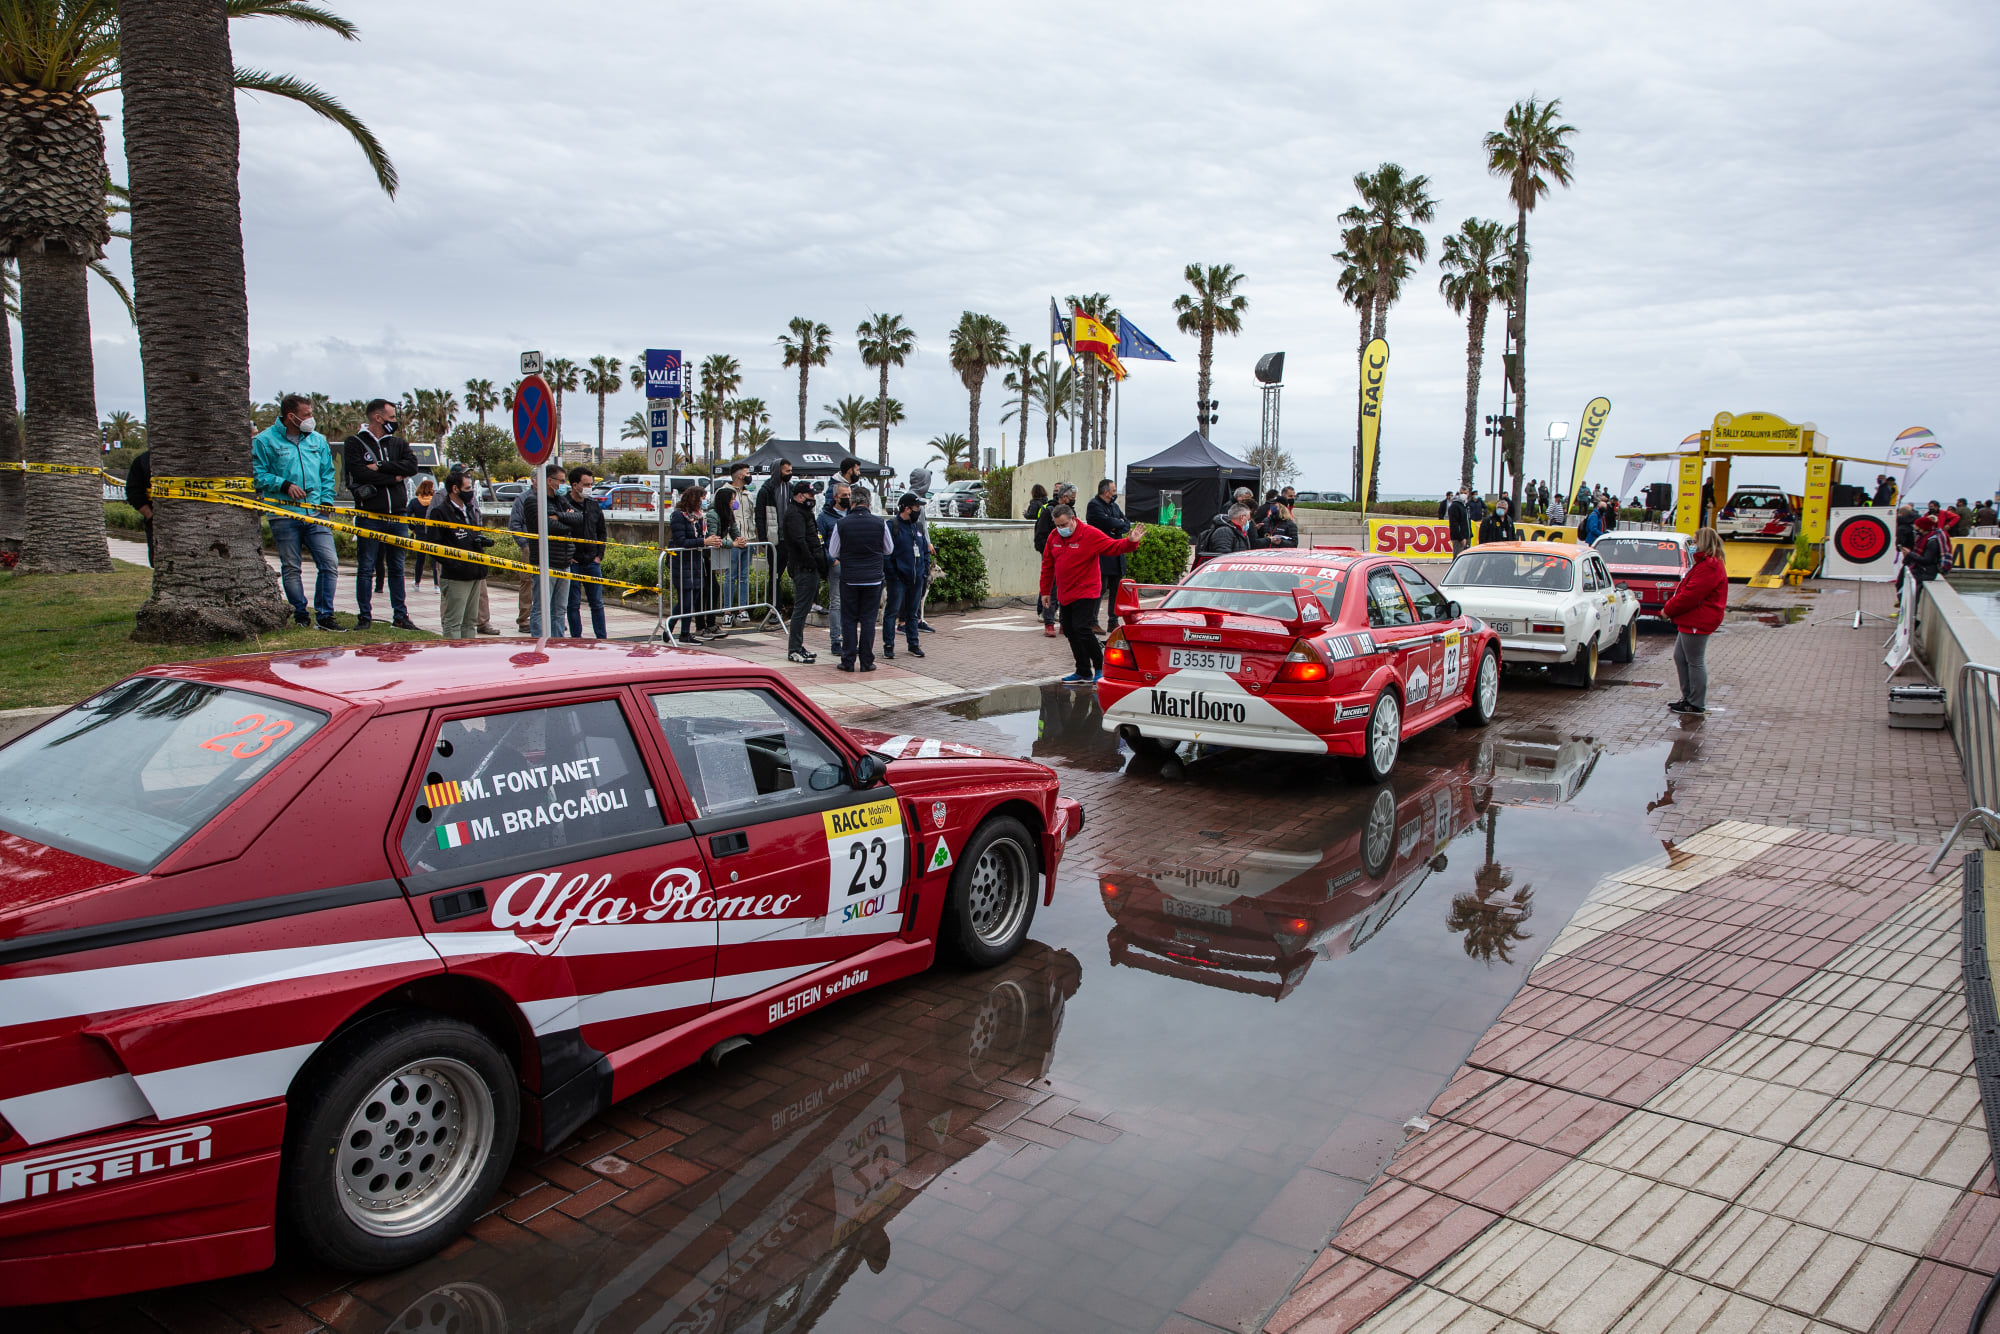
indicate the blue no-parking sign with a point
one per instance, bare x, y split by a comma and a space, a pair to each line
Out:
663, 372
534, 420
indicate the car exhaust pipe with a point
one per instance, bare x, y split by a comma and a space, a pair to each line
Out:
723, 1048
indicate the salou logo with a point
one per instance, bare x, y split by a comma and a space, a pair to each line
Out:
534, 902
1198, 707
103, 1164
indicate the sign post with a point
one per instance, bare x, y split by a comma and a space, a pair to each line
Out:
663, 386
534, 438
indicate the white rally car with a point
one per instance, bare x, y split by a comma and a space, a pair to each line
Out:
1551, 603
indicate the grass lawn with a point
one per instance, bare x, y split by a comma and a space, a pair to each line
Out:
68, 636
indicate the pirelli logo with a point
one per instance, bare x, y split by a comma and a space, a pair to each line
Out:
103, 1164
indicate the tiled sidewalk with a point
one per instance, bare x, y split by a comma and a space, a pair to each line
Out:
1736, 1094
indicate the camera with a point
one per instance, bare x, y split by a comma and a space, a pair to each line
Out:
480, 541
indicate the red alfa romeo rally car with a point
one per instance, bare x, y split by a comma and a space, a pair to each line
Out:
1322, 651
318, 937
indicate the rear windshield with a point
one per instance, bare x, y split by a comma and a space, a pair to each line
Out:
1639, 551
1510, 569
124, 778
1262, 590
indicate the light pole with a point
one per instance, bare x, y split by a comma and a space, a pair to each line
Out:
1558, 432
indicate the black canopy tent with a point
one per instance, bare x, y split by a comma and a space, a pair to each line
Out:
1201, 475
809, 458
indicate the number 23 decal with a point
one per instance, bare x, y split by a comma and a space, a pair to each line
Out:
861, 853
247, 724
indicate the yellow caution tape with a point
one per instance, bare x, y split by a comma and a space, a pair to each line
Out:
178, 486
54, 467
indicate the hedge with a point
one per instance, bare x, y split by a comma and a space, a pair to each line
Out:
961, 565
1162, 556
1000, 493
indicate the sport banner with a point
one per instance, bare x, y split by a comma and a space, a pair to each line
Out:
1594, 413
1430, 539
1374, 368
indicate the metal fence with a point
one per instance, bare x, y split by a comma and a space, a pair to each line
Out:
1975, 726
706, 590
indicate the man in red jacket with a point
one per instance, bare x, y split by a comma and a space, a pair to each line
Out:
1071, 577
1696, 609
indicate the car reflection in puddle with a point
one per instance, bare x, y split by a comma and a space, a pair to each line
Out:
827, 1162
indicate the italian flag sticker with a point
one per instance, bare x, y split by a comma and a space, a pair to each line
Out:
941, 858
454, 835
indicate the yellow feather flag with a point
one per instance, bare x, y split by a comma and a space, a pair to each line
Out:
1374, 369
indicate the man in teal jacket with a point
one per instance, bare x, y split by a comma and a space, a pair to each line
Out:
295, 469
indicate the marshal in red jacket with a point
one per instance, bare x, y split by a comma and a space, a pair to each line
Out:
1697, 605
1069, 564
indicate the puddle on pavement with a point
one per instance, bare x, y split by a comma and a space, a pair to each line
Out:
1251, 964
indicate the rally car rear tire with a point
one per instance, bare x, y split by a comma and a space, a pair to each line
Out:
1626, 647
1581, 671
1485, 692
991, 902
400, 1131
1382, 739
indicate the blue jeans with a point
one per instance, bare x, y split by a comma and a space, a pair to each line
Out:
832, 594
900, 597
290, 534
578, 592
368, 551
736, 577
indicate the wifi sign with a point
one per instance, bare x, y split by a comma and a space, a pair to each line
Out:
663, 373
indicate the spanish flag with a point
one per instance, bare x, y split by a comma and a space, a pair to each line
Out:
1091, 335
1110, 362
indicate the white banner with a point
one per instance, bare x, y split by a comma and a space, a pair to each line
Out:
1921, 459
1860, 544
1633, 467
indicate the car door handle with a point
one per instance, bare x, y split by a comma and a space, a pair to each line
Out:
728, 845
458, 903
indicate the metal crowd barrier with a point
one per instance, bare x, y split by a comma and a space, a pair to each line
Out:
696, 591
1975, 727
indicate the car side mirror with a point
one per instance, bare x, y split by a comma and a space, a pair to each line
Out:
1453, 611
868, 771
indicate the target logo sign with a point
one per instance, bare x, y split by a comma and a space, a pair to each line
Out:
1863, 543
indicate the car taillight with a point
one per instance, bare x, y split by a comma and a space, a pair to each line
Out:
1303, 663
1544, 628
1118, 653
1728, 513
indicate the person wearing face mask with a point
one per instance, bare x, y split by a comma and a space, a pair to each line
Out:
461, 581
587, 556
1045, 523
805, 557
378, 462
834, 507
294, 468
861, 543
903, 576
565, 523
1074, 580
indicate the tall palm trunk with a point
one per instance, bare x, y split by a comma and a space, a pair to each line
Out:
974, 385
600, 432
1519, 324
1202, 378
1475, 351
209, 576
803, 368
62, 414
1021, 454
882, 420
1049, 420
13, 489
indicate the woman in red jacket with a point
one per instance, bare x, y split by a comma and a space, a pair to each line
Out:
1071, 579
1696, 609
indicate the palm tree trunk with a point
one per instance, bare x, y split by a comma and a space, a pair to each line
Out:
1049, 420
1520, 319
13, 487
62, 414
1201, 377
1021, 454
882, 423
802, 401
209, 576
1475, 345
600, 432
973, 385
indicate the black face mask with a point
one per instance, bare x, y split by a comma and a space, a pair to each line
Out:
389, 427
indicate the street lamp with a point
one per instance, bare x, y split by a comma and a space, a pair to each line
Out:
1558, 432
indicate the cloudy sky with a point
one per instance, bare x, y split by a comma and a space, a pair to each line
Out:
1778, 206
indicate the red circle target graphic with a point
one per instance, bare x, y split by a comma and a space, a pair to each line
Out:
1862, 539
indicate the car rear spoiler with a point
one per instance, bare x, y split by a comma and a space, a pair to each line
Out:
1309, 616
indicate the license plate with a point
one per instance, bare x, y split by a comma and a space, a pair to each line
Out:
1501, 627
1202, 659
1195, 912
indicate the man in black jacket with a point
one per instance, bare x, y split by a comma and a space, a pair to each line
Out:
586, 555
1459, 518
1229, 533
805, 557
1106, 517
861, 543
1065, 494
771, 498
1498, 525
378, 460
139, 494
460, 582
565, 523
903, 575
1281, 530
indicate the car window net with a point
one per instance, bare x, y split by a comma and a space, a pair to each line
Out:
1255, 591
1510, 569
1639, 551
741, 749
552, 781
126, 777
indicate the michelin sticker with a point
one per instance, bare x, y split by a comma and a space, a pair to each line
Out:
864, 850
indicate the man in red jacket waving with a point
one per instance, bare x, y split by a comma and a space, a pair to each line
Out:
1070, 575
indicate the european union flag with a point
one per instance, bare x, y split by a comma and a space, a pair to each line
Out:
1135, 346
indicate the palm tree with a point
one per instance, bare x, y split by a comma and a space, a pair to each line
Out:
602, 379
1023, 365
755, 437
1096, 389
849, 414
1477, 273
1055, 395
884, 341
892, 408
120, 429
806, 346
977, 344
1359, 275
1391, 201
1530, 150
721, 376
750, 412
56, 56
564, 377
635, 427
638, 373
949, 447
1214, 307
480, 399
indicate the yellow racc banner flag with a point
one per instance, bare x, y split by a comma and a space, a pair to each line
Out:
1374, 369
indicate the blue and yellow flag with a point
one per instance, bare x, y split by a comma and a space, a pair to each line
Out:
1059, 329
1135, 346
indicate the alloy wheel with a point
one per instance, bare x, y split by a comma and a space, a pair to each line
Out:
997, 896
1489, 684
414, 1147
1385, 733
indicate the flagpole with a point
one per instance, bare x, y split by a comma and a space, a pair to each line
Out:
1116, 387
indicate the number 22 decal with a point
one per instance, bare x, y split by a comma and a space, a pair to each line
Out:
860, 852
248, 723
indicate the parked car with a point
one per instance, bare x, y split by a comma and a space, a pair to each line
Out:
1651, 564
623, 497
509, 492
1765, 512
1320, 497
1552, 604
309, 940
1317, 652
965, 499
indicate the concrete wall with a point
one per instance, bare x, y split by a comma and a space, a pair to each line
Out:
1949, 635
1013, 566
1085, 469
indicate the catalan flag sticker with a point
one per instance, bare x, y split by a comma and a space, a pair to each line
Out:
438, 795
454, 835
